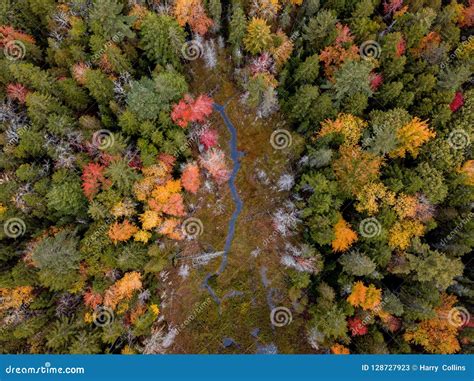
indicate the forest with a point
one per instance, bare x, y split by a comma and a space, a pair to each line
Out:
236, 176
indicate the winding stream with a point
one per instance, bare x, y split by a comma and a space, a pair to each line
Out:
235, 155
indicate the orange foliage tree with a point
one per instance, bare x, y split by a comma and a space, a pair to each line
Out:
192, 12
366, 297
344, 236
122, 289
466, 18
8, 33
355, 168
343, 49
439, 334
339, 349
121, 231
190, 178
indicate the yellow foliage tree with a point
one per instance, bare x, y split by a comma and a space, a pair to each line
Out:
344, 236
402, 232
348, 125
150, 219
123, 209
371, 196
258, 37
406, 206
437, 335
142, 236
15, 297
162, 193
411, 137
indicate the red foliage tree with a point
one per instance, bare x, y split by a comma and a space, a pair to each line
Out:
17, 91
392, 6
357, 327
209, 138
457, 102
189, 110
376, 80
92, 179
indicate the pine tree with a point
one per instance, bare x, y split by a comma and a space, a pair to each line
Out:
57, 258
258, 37
106, 20
237, 26
321, 30
162, 39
